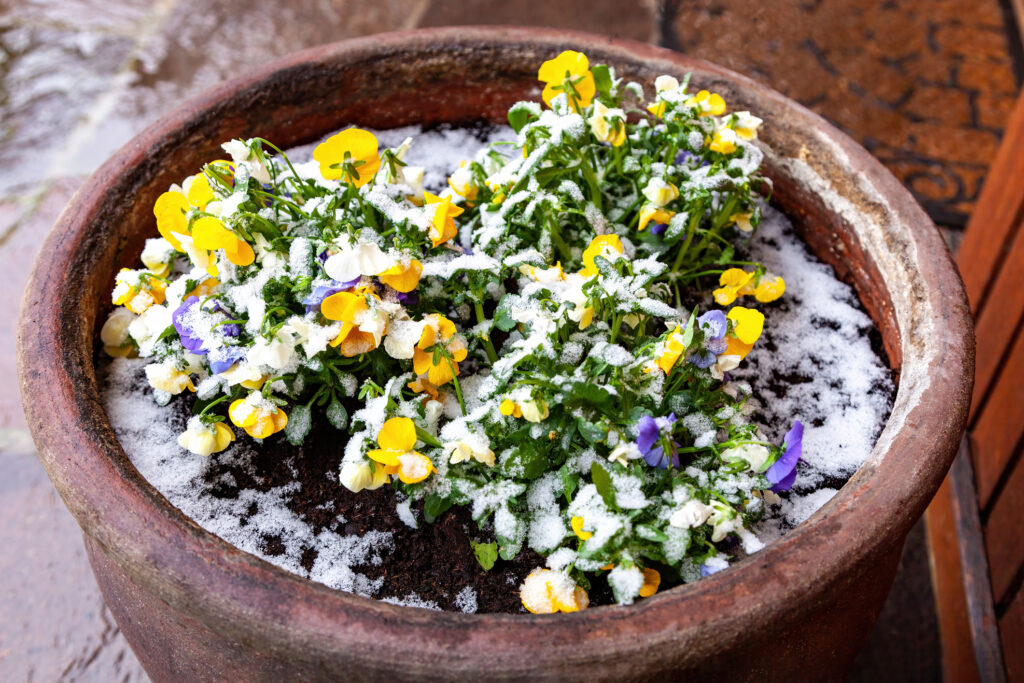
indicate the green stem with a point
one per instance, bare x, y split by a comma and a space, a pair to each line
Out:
492, 355
426, 437
455, 381
556, 239
591, 178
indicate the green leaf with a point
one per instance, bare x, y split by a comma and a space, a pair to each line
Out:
502, 320
521, 114
650, 533
591, 432
298, 425
727, 255
602, 79
486, 554
337, 415
434, 506
526, 462
688, 332
603, 482
169, 332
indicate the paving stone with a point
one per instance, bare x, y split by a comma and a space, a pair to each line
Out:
49, 78
203, 43
635, 20
926, 85
17, 254
55, 625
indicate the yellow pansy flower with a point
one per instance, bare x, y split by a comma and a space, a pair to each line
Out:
659, 192
205, 440
258, 417
608, 125
210, 234
137, 290
572, 66
199, 193
649, 213
510, 407
545, 592
657, 108
769, 288
605, 246
742, 221
731, 282
463, 183
165, 377
652, 580
438, 330
670, 351
745, 124
748, 325
360, 332
397, 439
351, 154
723, 141
402, 277
577, 528
442, 225
707, 103
170, 211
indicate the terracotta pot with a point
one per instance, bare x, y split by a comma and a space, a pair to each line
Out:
194, 607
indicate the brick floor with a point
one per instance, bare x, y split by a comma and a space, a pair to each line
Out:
924, 84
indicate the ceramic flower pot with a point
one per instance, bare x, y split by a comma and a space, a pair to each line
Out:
194, 607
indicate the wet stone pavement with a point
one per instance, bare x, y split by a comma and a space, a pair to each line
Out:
926, 85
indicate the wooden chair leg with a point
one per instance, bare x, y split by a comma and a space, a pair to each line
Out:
968, 629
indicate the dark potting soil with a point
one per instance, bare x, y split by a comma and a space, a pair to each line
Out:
434, 562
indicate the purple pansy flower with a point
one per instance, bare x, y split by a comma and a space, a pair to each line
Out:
223, 358
659, 228
714, 326
190, 341
707, 570
783, 473
649, 433
321, 292
408, 298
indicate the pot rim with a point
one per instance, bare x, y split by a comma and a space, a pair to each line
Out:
231, 590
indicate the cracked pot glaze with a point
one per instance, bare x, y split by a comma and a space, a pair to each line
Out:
194, 607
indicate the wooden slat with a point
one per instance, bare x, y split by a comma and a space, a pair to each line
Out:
958, 662
1011, 631
981, 613
998, 319
996, 213
1003, 533
1000, 425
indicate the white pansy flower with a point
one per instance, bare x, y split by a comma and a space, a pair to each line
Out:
724, 364
354, 262
690, 515
723, 520
666, 83
148, 327
114, 333
470, 447
755, 455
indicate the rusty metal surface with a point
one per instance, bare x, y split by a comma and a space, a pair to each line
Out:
807, 600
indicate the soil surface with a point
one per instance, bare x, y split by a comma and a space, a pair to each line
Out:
434, 562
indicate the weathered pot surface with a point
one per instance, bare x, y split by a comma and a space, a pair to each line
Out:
193, 606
